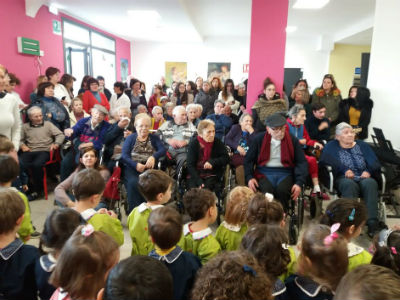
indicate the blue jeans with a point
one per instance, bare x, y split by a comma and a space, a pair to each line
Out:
365, 188
131, 180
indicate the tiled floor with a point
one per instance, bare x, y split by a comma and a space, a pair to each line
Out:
41, 208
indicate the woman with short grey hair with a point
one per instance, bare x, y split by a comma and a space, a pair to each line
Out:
356, 170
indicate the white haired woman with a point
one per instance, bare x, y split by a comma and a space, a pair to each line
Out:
356, 170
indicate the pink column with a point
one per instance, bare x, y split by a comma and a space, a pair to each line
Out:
267, 45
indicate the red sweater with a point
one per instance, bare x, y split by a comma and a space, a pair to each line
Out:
89, 100
309, 141
153, 101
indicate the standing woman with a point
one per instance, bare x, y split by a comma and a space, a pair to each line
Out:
53, 75
356, 110
10, 122
216, 87
227, 96
329, 95
181, 96
155, 99
135, 95
63, 90
84, 85
267, 104
93, 96
191, 88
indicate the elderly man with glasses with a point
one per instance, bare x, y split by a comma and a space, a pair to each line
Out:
275, 162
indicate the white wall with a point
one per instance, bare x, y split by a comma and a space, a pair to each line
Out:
302, 53
148, 58
384, 66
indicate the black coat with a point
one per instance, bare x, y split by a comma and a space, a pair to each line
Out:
219, 159
365, 116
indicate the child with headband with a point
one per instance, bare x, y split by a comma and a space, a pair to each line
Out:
83, 264
322, 263
352, 215
387, 250
230, 232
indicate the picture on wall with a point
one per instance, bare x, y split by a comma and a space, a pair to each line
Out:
175, 71
220, 70
124, 69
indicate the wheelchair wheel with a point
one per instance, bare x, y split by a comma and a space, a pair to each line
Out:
293, 230
300, 212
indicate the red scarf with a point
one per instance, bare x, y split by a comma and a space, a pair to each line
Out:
287, 151
207, 148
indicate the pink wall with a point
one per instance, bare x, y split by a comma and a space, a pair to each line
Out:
14, 23
267, 45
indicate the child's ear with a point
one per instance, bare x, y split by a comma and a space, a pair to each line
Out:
351, 230
19, 220
159, 196
100, 294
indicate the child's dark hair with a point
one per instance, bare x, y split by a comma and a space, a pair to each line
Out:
369, 282
83, 263
86, 183
139, 277
263, 211
153, 182
232, 275
266, 243
387, 250
325, 262
347, 212
58, 227
12, 207
236, 207
197, 202
9, 169
165, 227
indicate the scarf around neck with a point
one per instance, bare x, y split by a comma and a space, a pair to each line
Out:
207, 148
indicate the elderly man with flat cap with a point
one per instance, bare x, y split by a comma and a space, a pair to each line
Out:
275, 162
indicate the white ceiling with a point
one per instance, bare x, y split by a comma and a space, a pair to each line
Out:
345, 21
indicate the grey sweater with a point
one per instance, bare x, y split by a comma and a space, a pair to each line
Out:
40, 138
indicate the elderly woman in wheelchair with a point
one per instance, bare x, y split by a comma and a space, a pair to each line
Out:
356, 170
275, 162
206, 159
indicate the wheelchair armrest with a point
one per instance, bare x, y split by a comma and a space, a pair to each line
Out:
383, 178
331, 178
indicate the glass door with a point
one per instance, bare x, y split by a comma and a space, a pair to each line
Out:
78, 63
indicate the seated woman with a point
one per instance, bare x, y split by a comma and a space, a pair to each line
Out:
52, 108
206, 158
158, 119
296, 127
88, 158
356, 170
280, 165
238, 138
140, 152
93, 96
267, 104
222, 122
192, 114
77, 111
356, 110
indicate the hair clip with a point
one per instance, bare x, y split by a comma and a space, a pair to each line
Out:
285, 246
269, 197
87, 230
333, 236
394, 251
329, 213
249, 269
352, 214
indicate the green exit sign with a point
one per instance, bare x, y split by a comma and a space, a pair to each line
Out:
28, 46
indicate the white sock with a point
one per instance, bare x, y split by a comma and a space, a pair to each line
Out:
316, 189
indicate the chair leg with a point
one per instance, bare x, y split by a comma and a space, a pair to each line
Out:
45, 182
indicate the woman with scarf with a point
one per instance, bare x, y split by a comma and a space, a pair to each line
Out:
280, 165
267, 104
206, 158
92, 96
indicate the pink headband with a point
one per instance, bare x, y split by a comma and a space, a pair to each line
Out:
333, 236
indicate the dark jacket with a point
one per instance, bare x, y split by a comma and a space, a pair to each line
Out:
251, 159
234, 135
219, 159
207, 101
312, 124
365, 117
85, 134
330, 157
60, 123
113, 137
222, 124
142, 100
130, 142
303, 288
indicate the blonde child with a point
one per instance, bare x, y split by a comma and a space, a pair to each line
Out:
17, 260
155, 186
88, 186
322, 262
352, 215
229, 234
83, 264
201, 206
